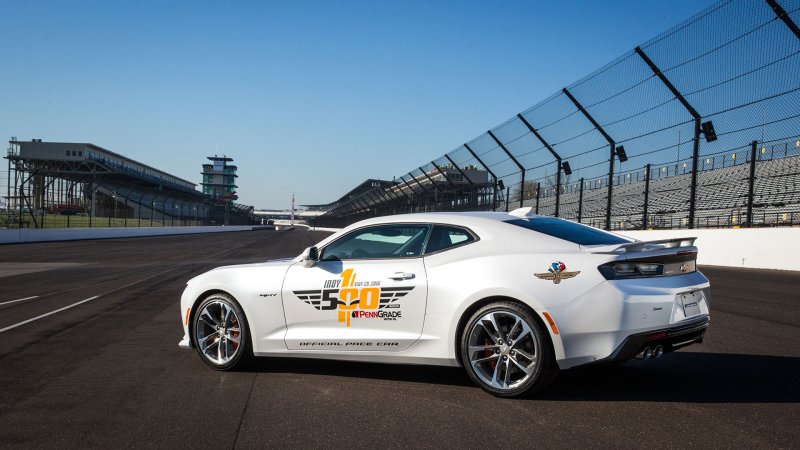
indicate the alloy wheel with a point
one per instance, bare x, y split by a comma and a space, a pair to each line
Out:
218, 332
503, 350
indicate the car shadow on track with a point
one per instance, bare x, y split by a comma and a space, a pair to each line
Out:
678, 377
684, 377
451, 376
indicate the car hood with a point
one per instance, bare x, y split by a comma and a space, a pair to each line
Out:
273, 263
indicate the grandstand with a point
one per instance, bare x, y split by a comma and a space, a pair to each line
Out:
723, 194
56, 184
446, 187
697, 127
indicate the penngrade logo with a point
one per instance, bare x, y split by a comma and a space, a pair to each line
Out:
356, 299
556, 273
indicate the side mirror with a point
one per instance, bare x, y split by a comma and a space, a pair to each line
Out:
310, 256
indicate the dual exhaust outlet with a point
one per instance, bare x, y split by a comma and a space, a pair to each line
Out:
651, 352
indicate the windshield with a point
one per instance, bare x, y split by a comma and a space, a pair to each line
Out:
568, 231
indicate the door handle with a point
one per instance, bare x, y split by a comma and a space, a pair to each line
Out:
397, 276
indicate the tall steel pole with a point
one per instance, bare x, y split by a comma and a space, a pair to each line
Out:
695, 115
521, 169
552, 152
612, 148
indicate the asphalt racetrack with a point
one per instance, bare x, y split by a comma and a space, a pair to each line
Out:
108, 372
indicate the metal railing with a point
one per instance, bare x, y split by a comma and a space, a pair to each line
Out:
696, 127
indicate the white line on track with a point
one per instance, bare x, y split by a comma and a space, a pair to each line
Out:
11, 327
19, 300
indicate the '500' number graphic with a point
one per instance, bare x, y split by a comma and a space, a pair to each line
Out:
346, 295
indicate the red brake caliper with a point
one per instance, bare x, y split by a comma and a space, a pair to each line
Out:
235, 333
489, 353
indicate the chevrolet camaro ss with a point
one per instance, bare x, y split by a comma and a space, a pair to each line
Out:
511, 297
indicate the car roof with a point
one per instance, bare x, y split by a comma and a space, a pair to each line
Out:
454, 218
478, 219
484, 223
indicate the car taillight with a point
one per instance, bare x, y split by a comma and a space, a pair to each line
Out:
630, 269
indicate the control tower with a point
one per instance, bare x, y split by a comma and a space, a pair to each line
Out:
219, 179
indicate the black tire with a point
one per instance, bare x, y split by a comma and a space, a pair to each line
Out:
526, 365
206, 328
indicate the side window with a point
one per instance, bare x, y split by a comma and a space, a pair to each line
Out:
443, 237
380, 242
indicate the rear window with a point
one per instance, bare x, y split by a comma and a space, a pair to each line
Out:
568, 231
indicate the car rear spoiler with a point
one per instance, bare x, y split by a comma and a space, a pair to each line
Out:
644, 246
660, 244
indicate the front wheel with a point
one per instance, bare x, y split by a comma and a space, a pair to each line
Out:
506, 351
220, 332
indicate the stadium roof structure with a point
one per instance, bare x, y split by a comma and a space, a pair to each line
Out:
85, 177
357, 191
89, 159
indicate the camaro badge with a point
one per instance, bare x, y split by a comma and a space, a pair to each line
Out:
556, 273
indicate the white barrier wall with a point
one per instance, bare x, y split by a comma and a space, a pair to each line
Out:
21, 235
757, 248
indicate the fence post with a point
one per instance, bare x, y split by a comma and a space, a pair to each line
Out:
466, 178
414, 199
612, 147
93, 204
435, 188
781, 13
449, 181
521, 169
408, 199
646, 195
552, 152
690, 109
751, 183
580, 202
494, 177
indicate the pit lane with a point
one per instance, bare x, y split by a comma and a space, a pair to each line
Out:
108, 373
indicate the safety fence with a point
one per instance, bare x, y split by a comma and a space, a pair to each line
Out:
697, 127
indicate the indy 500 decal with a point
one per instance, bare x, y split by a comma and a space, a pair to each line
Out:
356, 299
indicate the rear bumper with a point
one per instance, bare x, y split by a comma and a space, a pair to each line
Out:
670, 339
610, 321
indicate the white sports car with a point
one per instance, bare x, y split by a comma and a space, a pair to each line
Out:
511, 297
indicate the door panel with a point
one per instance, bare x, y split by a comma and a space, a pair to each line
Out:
352, 305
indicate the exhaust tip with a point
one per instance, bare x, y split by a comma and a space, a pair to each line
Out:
659, 352
647, 353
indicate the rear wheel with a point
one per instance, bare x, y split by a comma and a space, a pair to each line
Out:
220, 332
506, 351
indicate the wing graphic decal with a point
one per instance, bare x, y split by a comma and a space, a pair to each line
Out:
313, 297
356, 300
392, 294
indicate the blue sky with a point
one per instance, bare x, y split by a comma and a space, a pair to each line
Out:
307, 97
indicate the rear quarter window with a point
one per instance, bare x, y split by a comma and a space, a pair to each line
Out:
444, 237
568, 231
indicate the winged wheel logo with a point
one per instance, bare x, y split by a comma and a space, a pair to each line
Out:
556, 272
